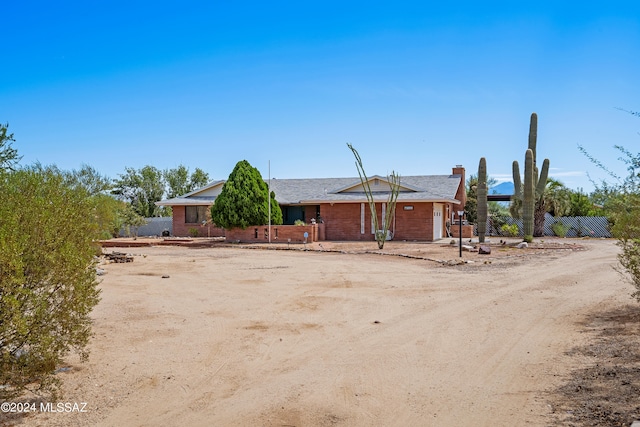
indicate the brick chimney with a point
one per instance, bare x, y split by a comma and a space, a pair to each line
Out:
461, 194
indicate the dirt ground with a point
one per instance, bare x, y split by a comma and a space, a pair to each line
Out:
339, 335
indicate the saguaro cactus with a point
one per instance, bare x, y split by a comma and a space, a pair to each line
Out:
481, 194
528, 196
534, 185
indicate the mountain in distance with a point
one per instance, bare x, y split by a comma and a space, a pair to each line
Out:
502, 188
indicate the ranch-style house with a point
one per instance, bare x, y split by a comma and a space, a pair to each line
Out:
338, 207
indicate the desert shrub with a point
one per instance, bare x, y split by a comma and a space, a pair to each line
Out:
509, 230
629, 260
627, 229
193, 232
560, 229
621, 203
108, 215
48, 284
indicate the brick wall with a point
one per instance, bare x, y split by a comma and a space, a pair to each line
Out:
181, 229
342, 221
279, 234
416, 224
467, 231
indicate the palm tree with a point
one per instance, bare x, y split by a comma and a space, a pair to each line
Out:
555, 199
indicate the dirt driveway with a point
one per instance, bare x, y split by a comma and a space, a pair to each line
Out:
239, 337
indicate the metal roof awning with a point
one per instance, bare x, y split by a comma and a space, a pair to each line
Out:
499, 197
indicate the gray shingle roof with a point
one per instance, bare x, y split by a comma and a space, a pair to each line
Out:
426, 188
303, 191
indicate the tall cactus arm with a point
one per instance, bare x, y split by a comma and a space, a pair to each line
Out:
533, 135
542, 181
517, 184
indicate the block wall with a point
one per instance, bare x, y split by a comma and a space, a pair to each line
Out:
279, 234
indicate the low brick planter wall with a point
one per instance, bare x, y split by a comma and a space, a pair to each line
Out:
279, 234
467, 231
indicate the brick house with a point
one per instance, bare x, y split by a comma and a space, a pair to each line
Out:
425, 205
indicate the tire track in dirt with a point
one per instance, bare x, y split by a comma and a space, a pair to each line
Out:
299, 344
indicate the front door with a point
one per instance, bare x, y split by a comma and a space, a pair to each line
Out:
437, 221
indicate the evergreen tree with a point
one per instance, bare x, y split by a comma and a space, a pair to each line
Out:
244, 200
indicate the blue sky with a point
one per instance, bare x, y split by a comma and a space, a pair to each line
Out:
416, 88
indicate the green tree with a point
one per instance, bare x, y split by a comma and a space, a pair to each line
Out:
48, 283
555, 199
244, 200
131, 219
180, 182
471, 206
498, 215
582, 204
8, 155
90, 180
198, 179
142, 188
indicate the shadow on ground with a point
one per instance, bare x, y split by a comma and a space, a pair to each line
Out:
605, 391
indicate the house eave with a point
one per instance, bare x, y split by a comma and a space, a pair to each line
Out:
376, 200
185, 202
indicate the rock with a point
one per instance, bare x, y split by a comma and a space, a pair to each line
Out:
100, 272
484, 250
522, 245
469, 248
165, 276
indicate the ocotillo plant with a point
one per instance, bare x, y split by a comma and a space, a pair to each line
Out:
534, 185
394, 184
481, 194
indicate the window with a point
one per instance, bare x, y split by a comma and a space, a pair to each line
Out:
195, 214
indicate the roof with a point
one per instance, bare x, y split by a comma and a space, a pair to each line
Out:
419, 188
